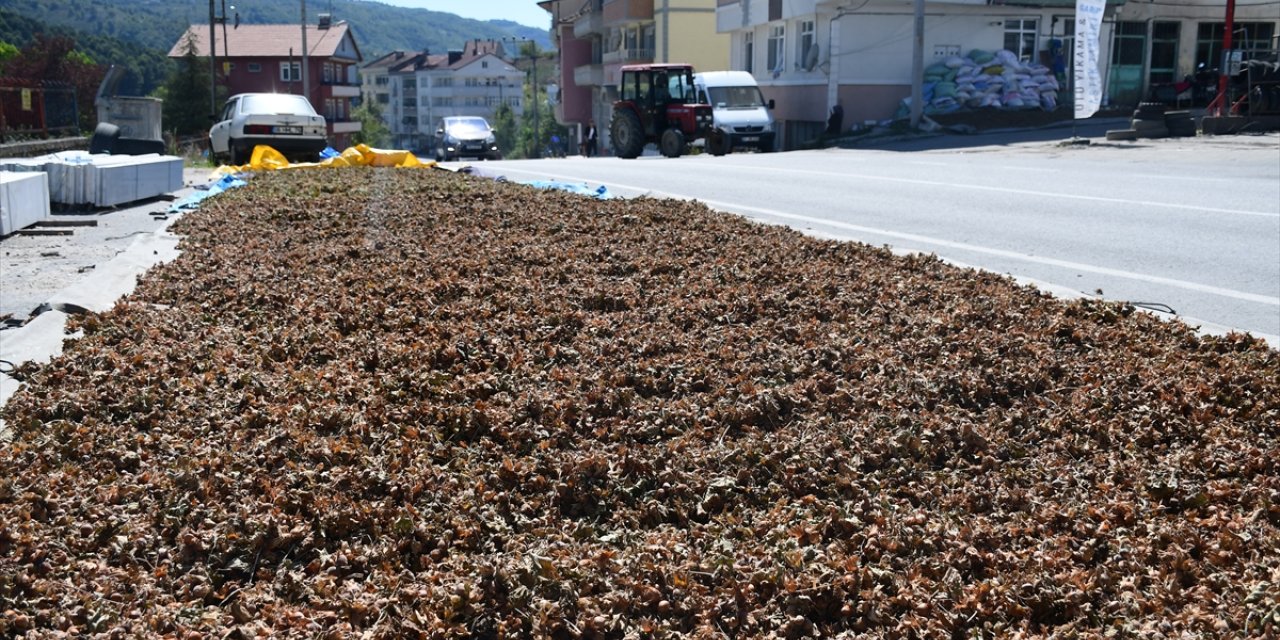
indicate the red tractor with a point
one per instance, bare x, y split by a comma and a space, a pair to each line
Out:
657, 105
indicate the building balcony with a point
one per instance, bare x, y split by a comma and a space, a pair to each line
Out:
588, 24
628, 56
339, 90
588, 75
620, 12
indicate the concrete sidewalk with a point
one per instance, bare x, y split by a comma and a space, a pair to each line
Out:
90, 269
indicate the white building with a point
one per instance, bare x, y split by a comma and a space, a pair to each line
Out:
810, 55
416, 90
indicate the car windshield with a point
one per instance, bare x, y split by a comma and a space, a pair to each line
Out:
281, 103
736, 97
467, 126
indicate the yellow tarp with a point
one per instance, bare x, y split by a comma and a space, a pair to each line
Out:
265, 158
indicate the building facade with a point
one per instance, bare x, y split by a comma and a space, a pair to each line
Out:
811, 55
416, 89
268, 58
597, 37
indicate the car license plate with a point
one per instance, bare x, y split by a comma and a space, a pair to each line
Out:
751, 139
287, 130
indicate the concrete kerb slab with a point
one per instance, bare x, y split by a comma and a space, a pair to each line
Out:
41, 339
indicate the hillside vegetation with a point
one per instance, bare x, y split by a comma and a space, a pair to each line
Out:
138, 34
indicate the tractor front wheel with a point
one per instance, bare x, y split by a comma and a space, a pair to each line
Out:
672, 143
627, 134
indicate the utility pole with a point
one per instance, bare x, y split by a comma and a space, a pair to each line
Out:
1228, 31
226, 47
917, 65
213, 67
306, 76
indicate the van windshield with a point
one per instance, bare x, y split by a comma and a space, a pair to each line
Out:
736, 97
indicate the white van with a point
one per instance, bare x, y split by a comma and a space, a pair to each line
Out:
738, 107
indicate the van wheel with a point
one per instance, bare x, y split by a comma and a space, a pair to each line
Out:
718, 143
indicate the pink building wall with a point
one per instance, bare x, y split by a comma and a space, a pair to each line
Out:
575, 101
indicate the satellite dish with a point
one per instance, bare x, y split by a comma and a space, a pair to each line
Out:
811, 58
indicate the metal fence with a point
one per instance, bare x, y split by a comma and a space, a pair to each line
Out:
31, 110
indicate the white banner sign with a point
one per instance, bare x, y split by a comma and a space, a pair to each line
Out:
1088, 78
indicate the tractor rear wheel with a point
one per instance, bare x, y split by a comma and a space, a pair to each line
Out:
627, 134
672, 143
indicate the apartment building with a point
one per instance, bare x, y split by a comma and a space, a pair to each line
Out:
811, 55
416, 89
597, 37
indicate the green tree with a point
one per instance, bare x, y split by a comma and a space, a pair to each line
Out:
534, 143
7, 52
55, 59
504, 129
186, 95
373, 130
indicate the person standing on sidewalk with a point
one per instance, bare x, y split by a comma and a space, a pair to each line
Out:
591, 136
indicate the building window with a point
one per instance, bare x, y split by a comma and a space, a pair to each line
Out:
1129, 44
1020, 38
748, 51
777, 53
328, 72
444, 101
254, 67
380, 81
484, 64
491, 101
808, 44
648, 39
290, 71
1250, 37
384, 98
471, 82
1164, 52
444, 82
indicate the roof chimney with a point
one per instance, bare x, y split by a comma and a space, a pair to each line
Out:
454, 56
325, 20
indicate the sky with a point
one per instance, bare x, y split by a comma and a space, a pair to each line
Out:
526, 12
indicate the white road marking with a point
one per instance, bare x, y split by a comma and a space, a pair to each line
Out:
1002, 253
1029, 192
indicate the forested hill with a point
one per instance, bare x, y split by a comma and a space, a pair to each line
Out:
146, 68
154, 25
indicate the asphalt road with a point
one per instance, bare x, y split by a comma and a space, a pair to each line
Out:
1191, 225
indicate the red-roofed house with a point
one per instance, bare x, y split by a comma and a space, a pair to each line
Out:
258, 58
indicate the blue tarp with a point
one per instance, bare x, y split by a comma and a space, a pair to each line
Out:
214, 188
600, 192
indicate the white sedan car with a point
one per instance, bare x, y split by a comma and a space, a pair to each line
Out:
282, 121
